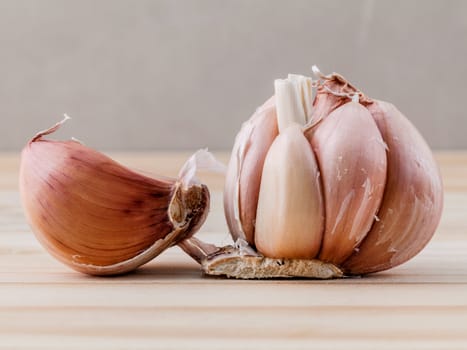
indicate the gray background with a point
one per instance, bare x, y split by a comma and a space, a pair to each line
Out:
155, 75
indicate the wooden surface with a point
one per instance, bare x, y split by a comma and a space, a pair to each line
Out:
168, 304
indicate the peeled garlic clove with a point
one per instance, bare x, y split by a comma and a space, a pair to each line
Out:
290, 218
244, 171
352, 160
98, 216
413, 198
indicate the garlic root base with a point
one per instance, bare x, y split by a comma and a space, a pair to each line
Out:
236, 262
255, 267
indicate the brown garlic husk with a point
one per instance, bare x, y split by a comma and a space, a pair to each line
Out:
99, 217
412, 201
379, 185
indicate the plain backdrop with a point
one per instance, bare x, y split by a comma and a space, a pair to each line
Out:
172, 74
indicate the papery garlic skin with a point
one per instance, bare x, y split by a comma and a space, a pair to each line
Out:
98, 216
290, 219
245, 168
413, 198
352, 159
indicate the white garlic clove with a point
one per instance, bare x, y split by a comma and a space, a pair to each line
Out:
290, 217
243, 177
352, 159
413, 198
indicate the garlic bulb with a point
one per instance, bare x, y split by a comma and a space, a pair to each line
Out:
342, 180
100, 217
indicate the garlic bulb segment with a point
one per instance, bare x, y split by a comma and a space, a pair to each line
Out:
244, 171
352, 159
413, 198
98, 216
289, 220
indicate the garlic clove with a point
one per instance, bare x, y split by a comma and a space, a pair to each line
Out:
413, 198
98, 216
290, 217
352, 160
244, 171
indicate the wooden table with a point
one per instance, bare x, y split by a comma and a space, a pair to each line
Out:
169, 304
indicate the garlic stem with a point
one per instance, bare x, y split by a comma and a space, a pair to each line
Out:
304, 87
289, 106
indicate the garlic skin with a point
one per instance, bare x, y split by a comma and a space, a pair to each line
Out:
290, 188
381, 188
243, 179
413, 198
99, 217
352, 160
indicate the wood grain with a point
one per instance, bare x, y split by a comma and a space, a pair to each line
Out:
168, 304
